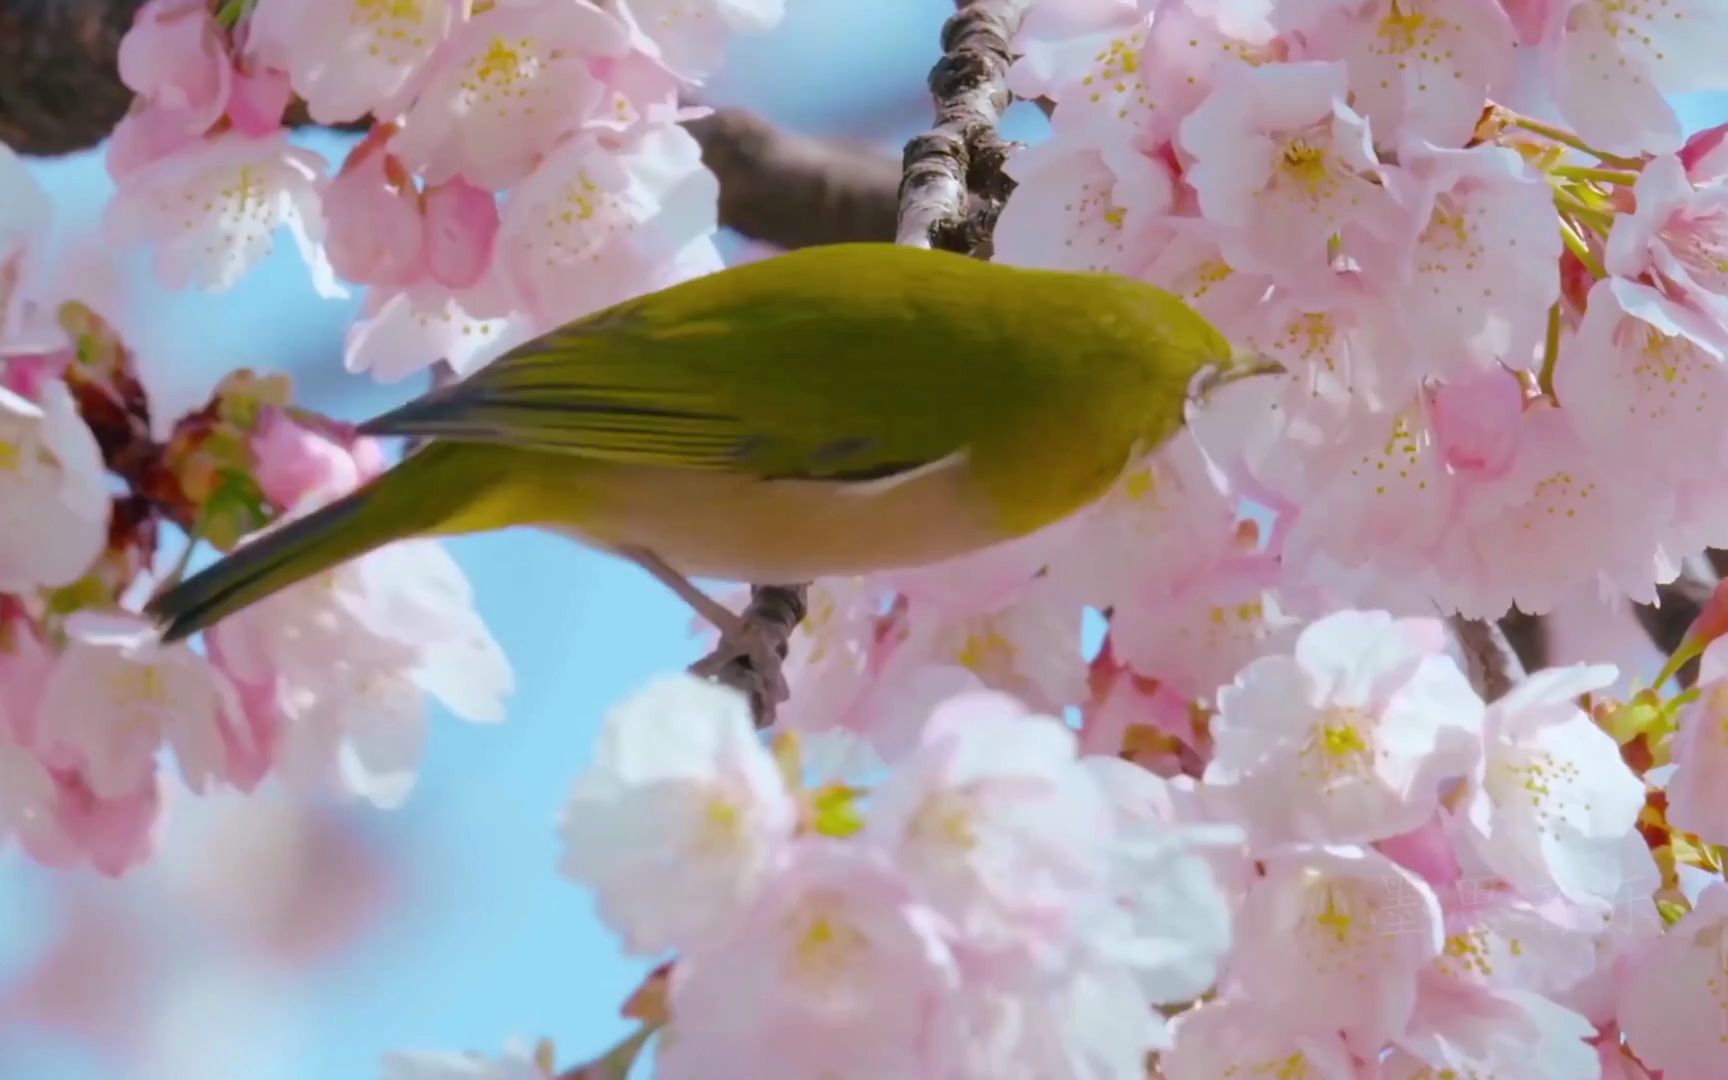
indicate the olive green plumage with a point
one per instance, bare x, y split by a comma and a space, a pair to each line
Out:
841, 409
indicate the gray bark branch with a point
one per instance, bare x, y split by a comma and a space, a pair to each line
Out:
952, 186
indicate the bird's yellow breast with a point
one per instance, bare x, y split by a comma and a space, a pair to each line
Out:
742, 528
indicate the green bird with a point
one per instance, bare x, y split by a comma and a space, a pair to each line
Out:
836, 410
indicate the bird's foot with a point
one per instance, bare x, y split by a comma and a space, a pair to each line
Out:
750, 658
751, 654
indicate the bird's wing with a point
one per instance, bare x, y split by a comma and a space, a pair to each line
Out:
769, 368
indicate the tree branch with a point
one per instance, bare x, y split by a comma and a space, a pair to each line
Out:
1489, 661
1677, 606
794, 190
953, 186
60, 93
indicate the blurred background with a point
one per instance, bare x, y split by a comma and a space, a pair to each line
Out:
273, 939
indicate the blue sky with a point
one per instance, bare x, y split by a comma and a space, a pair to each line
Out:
487, 941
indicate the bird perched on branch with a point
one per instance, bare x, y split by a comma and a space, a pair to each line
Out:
836, 410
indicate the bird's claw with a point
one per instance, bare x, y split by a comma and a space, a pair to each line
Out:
750, 658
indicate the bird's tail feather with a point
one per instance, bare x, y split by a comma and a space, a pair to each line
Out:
406, 501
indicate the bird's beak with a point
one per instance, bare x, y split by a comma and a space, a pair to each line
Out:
1242, 364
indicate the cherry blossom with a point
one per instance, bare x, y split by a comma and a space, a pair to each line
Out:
1674, 1008
175, 60
212, 211
1507, 1032
996, 825
837, 968
598, 222
115, 696
54, 502
509, 82
1698, 788
1348, 740
1233, 1037
1482, 267
1333, 939
1552, 799
341, 665
689, 35
1419, 69
1094, 231
1612, 63
1676, 238
348, 58
1282, 164
681, 818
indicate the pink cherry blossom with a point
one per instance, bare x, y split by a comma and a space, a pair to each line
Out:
27, 789
1233, 1037
1612, 63
1349, 739
836, 970
1674, 1008
1698, 789
1552, 799
175, 60
373, 220
1641, 376
1112, 202
689, 35
1419, 69
1470, 1030
347, 58
1705, 154
403, 330
996, 826
116, 696
461, 222
1333, 939
341, 665
1191, 264
1175, 919
297, 464
1677, 240
509, 82
856, 689
680, 819
54, 499
598, 222
1481, 266
1518, 537
1282, 164
1029, 648
261, 95
1194, 638
112, 834
212, 210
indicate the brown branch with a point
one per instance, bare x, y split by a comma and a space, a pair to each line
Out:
793, 190
1528, 636
1489, 661
60, 93
1678, 605
953, 186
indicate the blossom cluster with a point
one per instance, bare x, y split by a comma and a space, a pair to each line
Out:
524, 164
1374, 874
325, 687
